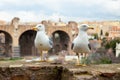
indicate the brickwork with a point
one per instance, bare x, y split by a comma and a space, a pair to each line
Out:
15, 31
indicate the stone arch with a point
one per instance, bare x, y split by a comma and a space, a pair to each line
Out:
61, 41
5, 44
26, 42
54, 30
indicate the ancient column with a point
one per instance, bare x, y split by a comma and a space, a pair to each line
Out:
15, 48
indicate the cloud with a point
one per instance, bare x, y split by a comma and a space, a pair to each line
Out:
34, 17
67, 10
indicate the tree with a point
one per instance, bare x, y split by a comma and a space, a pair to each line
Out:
95, 36
112, 44
106, 34
101, 32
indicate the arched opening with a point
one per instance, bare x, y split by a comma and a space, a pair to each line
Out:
5, 44
61, 41
26, 42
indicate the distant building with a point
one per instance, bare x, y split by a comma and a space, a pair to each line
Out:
114, 31
2, 22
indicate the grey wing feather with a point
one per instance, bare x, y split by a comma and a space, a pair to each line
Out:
51, 41
89, 46
72, 46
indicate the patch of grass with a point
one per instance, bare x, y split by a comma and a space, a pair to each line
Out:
16, 58
85, 60
11, 59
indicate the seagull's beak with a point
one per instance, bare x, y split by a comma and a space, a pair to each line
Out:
34, 28
90, 28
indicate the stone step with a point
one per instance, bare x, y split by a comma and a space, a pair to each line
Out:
79, 71
16, 51
83, 77
80, 74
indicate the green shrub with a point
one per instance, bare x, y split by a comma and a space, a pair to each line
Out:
105, 60
98, 58
95, 36
112, 44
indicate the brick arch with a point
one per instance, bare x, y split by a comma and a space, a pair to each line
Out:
23, 31
8, 29
24, 28
66, 29
61, 42
60, 30
26, 42
6, 43
7, 33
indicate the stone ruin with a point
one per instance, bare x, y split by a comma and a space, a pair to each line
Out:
117, 49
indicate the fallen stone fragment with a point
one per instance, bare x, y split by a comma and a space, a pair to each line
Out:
16, 65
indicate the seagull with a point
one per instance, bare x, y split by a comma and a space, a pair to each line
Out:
42, 41
80, 44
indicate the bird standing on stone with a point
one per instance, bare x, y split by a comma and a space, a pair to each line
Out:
42, 41
80, 44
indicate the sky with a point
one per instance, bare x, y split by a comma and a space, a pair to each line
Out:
67, 10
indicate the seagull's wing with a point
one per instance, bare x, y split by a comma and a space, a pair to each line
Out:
74, 42
89, 46
50, 41
72, 46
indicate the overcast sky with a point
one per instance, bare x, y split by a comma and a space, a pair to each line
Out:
67, 10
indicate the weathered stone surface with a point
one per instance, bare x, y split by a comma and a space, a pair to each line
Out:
30, 73
47, 71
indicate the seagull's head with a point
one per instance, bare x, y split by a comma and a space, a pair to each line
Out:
84, 27
39, 27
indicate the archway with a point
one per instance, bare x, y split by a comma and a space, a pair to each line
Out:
5, 44
26, 42
60, 41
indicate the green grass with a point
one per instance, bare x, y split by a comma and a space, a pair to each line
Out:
11, 59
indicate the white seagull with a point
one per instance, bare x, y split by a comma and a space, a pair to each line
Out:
80, 44
42, 41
